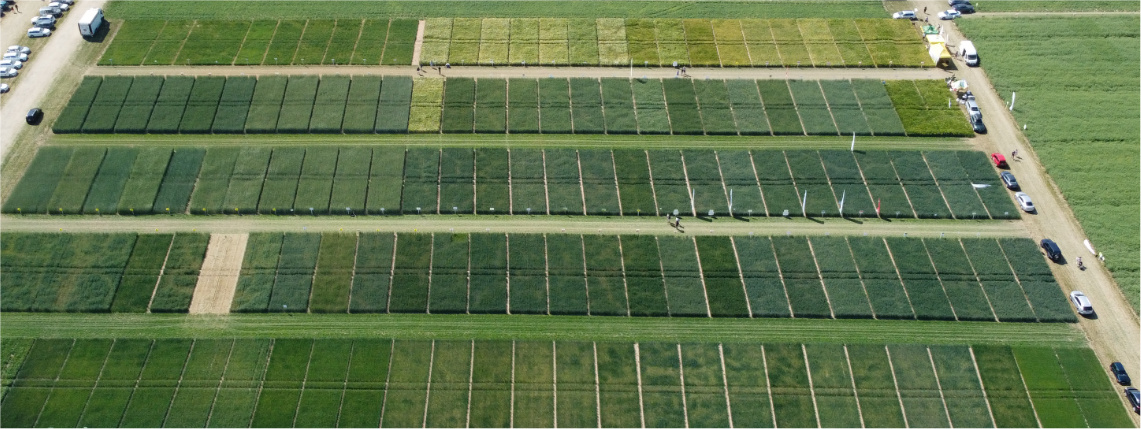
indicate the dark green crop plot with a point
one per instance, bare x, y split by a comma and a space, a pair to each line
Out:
297, 104
586, 106
180, 273
144, 182
421, 181
554, 106
76, 179
779, 107
361, 104
265, 106
682, 106
138, 104
459, 106
73, 115
617, 101
330, 104
234, 105
107, 188
633, 176
650, 106
598, 182
178, 182
528, 184
213, 181
523, 105
316, 181
491, 106
106, 105
202, 105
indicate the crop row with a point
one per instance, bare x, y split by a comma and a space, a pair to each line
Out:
262, 42
363, 180
366, 104
415, 383
821, 277
100, 272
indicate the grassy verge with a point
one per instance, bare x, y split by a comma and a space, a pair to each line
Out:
1061, 6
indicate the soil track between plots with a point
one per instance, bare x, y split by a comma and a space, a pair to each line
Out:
219, 277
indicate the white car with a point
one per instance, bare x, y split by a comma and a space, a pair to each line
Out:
1081, 303
20, 49
16, 64
8, 72
1024, 202
61, 5
4, 88
15, 56
949, 14
905, 14
39, 32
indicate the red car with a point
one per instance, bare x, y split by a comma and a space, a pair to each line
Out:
999, 160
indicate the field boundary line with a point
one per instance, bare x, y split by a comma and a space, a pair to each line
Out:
795, 186
392, 276
855, 390
417, 46
716, 46
899, 276
353, 275
662, 272
235, 62
512, 422
177, 386
304, 381
940, 187
431, 260
725, 189
864, 179
688, 188
741, 277
681, 378
617, 189
546, 273
345, 384
357, 42
581, 185
55, 381
221, 380
757, 178
906, 195
939, 278
585, 274
697, 102
467, 277
162, 270
638, 370
261, 383
979, 281
824, 287
546, 190
555, 382
749, 55
299, 39
864, 43
780, 274
98, 378
428, 389
277, 269
787, 85
827, 105
475, 161
193, 23
387, 378
597, 389
725, 383
139, 377
769, 386
1029, 396
440, 157
898, 394
507, 272
625, 286
827, 178
811, 385
859, 104
701, 273
863, 286
982, 386
650, 173
939, 384
470, 380
510, 175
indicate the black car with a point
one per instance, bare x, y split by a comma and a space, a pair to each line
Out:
1052, 250
1118, 371
1009, 180
977, 124
964, 8
34, 116
1134, 398
956, 2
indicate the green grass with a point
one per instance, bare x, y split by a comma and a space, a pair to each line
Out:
1086, 50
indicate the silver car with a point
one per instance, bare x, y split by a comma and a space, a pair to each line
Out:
20, 49
1081, 303
16, 64
39, 32
15, 56
8, 72
1024, 202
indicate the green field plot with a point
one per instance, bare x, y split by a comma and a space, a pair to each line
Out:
393, 111
812, 107
76, 178
846, 293
370, 45
779, 107
106, 104
456, 180
633, 174
213, 43
75, 112
564, 183
649, 101
748, 110
132, 42
107, 186
421, 181
776, 183
528, 184
372, 273
721, 277
138, 104
410, 276
598, 183
399, 46
202, 105
832, 385
927, 295
344, 40
494, 46
280, 188
459, 106
297, 104
427, 96
704, 176
265, 106
605, 285
682, 106
642, 42
234, 104
670, 188
491, 106
716, 116
293, 285
662, 398
449, 288
464, 47
492, 170
917, 386
316, 181
256, 43
684, 289
284, 44
618, 105
329, 105
524, 47
582, 42
437, 35
523, 105
179, 180
144, 181
923, 109
361, 104
741, 183
249, 173
586, 106
259, 267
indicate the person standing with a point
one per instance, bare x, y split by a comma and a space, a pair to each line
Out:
924, 10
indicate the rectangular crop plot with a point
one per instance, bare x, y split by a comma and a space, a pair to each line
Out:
779, 107
682, 106
393, 111
618, 105
554, 106
297, 105
528, 183
265, 106
721, 278
361, 104
459, 106
106, 105
329, 106
492, 170
704, 176
372, 273
845, 108
564, 185
649, 104
202, 105
234, 105
633, 176
716, 116
280, 188
73, 115
421, 180
491, 106
316, 181
523, 105
449, 288
410, 276
684, 289
138, 105
109, 182
456, 180
399, 46
598, 182
76, 181
213, 181
586, 106
748, 111
667, 173
812, 107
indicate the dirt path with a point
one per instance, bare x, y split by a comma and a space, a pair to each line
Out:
1114, 334
419, 42
219, 276
45, 65
514, 224
478, 71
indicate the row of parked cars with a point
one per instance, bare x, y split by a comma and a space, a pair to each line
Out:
43, 24
958, 8
13, 60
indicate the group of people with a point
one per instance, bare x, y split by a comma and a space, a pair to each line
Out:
674, 221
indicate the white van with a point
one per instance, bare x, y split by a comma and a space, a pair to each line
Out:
968, 52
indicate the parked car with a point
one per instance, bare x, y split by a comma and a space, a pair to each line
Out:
999, 160
1009, 180
34, 116
4, 88
20, 49
44, 22
61, 5
15, 56
949, 14
905, 14
1134, 397
963, 8
1118, 371
67, 2
6, 72
16, 64
1081, 303
39, 32
977, 124
1052, 250
955, 2
1024, 202
973, 107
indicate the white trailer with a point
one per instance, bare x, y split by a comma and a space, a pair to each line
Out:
90, 22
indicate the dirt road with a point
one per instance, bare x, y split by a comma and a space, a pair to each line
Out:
1114, 333
475, 71
41, 71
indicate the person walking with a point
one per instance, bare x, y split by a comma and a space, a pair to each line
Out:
924, 10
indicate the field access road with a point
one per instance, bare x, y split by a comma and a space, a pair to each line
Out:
502, 72
513, 224
1114, 333
40, 73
